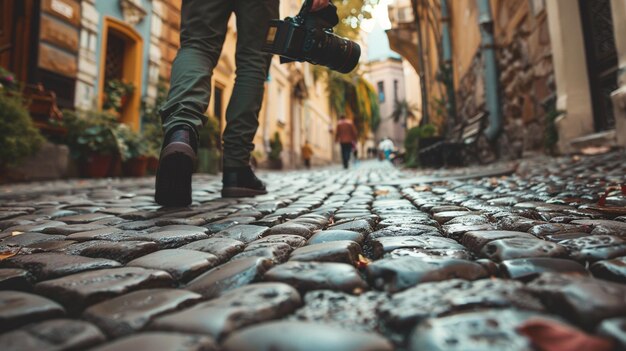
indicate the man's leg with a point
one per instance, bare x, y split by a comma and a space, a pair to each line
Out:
203, 29
245, 102
252, 67
346, 149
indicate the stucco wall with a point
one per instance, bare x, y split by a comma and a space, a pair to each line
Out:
112, 9
465, 36
524, 59
387, 72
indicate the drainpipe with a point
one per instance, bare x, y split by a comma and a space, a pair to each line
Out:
448, 74
485, 21
422, 73
266, 122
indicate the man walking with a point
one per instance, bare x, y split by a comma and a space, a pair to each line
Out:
387, 147
203, 29
346, 137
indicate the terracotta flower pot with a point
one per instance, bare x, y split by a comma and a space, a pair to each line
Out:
136, 167
116, 166
96, 165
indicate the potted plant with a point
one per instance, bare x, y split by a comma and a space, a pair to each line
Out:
19, 138
116, 92
276, 148
133, 151
92, 141
8, 81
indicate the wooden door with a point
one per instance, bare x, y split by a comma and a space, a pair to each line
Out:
6, 32
601, 56
17, 18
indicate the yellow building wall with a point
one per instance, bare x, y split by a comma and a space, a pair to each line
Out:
465, 36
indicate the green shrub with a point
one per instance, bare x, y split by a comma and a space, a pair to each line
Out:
411, 143
115, 91
276, 146
130, 143
92, 132
427, 131
8, 81
18, 137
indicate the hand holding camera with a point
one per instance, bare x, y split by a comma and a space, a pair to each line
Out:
309, 37
318, 5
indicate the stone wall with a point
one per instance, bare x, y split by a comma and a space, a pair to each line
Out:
527, 83
526, 72
470, 92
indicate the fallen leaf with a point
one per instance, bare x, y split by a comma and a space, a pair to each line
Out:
421, 188
362, 262
493, 181
550, 335
595, 150
381, 192
8, 254
357, 291
602, 200
16, 233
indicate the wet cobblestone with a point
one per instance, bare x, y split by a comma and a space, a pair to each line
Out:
374, 258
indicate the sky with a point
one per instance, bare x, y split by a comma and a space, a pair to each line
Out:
379, 15
378, 45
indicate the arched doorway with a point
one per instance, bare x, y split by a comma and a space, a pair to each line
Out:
121, 59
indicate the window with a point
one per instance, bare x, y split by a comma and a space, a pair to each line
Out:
115, 51
401, 15
381, 91
395, 90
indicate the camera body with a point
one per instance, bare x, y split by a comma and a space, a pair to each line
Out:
309, 37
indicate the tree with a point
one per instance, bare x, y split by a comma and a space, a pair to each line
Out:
403, 110
351, 14
351, 94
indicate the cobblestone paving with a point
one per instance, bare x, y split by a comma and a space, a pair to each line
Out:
329, 260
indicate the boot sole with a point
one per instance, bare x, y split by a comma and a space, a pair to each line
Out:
241, 192
173, 180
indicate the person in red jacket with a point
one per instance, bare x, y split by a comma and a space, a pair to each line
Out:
346, 136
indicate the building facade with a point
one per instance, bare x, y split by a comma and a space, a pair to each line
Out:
589, 38
386, 74
75, 47
534, 65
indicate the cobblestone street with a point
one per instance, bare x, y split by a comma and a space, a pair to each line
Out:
374, 258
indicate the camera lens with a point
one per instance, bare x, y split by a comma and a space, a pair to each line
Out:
336, 53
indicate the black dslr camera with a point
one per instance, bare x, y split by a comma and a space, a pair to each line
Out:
309, 37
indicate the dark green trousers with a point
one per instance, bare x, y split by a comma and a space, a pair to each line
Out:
203, 29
